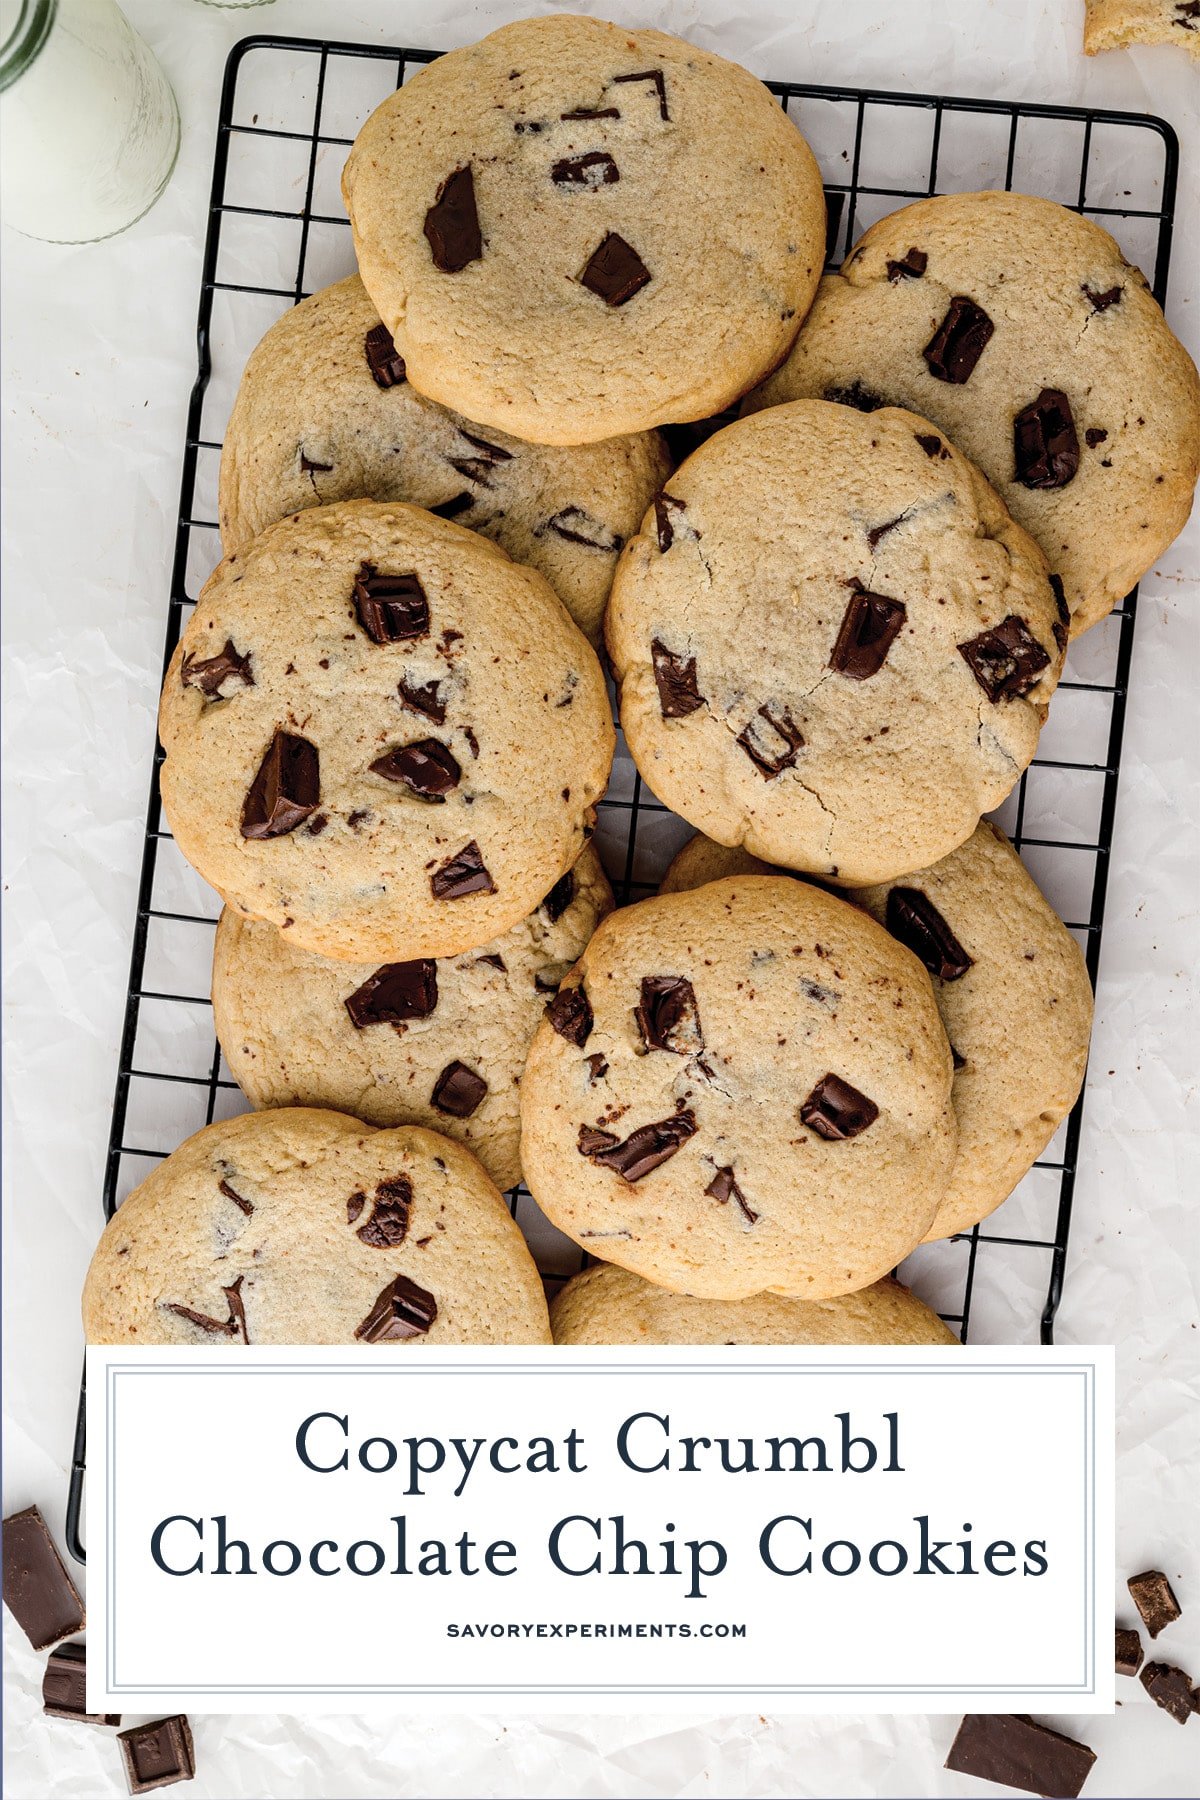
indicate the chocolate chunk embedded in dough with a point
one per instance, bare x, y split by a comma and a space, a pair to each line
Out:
388, 1223
915, 921
959, 341
870, 627
403, 1310
596, 169
667, 1015
559, 898
910, 267
383, 359
648, 1147
675, 679
426, 769
614, 271
570, 1014
285, 790
392, 609
1005, 661
458, 1090
724, 1187
771, 741
394, 994
218, 677
836, 1111
452, 223
461, 875
425, 699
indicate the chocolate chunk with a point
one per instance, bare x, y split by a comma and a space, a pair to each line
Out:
1005, 661
837, 1111
232, 1327
218, 677
959, 341
668, 1017
597, 1067
230, 1194
579, 527
592, 1140
878, 532
458, 1090
723, 1187
158, 1755
915, 921
1129, 1652
450, 509
63, 1688
655, 77
385, 364
354, 1206
559, 898
911, 266
38, 1592
771, 745
1045, 447
595, 170
648, 1147
1102, 302
478, 468
675, 679
570, 1013
395, 993
452, 223
931, 444
1015, 1751
1094, 435
403, 1310
388, 1223
664, 505
426, 700
286, 789
392, 609
870, 627
592, 112
614, 271
1170, 1688
1155, 1600
1060, 598
427, 769
863, 399
462, 875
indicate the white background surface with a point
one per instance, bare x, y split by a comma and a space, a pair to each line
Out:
99, 360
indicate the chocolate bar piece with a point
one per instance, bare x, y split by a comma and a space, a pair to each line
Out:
63, 1690
1170, 1688
1154, 1599
1016, 1751
158, 1755
37, 1589
1129, 1652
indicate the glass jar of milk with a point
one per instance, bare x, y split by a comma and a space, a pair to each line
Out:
89, 128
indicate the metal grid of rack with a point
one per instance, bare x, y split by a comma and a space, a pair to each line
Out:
277, 231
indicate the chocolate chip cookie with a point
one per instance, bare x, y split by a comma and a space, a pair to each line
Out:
307, 1227
743, 1089
435, 1043
381, 734
324, 413
574, 230
1021, 331
1123, 24
835, 648
611, 1306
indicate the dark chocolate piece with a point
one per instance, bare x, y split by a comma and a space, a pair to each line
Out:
1102, 302
1094, 435
462, 875
426, 699
458, 1090
286, 789
668, 1017
1129, 1652
675, 679
394, 994
863, 399
910, 267
1015, 1751
597, 1067
452, 223
1005, 661
232, 1327
579, 527
932, 445
664, 505
559, 898
870, 627
723, 1187
596, 169
427, 769
1045, 447
63, 1688
403, 1310
648, 1147
915, 921
392, 609
354, 1206
1155, 1600
1060, 599
217, 672
959, 341
771, 745
383, 360
158, 1755
592, 112
388, 1223
478, 468
837, 1111
232, 1194
592, 1140
570, 1013
38, 1592
655, 77
1170, 1688
614, 271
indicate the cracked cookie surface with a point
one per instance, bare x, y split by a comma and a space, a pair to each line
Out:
740, 1090
574, 230
835, 647
302, 1226
324, 413
1058, 374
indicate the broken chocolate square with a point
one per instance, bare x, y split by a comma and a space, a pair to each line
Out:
591, 1140
1102, 301
392, 609
614, 271
426, 769
394, 994
932, 445
1170, 1688
836, 1111
648, 1147
1155, 1600
458, 1090
218, 677
286, 789
452, 223
723, 1187
871, 625
1005, 661
403, 1310
915, 921
64, 1688
771, 741
675, 679
386, 366
959, 341
570, 1013
1045, 447
426, 699
1016, 1751
158, 1755
668, 1017
1129, 1652
911, 266
594, 170
462, 875
38, 1592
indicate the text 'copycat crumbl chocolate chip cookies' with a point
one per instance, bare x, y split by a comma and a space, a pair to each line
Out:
1021, 331
440, 1044
834, 645
744, 1089
324, 413
1124, 24
382, 735
573, 230
307, 1227
611, 1306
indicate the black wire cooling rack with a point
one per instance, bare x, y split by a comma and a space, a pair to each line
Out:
290, 109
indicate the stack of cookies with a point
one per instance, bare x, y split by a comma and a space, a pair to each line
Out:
849, 1022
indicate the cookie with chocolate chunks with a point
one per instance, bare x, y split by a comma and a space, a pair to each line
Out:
374, 1040
355, 1235
1040, 353
538, 220
416, 762
327, 383
1124, 24
835, 648
761, 1103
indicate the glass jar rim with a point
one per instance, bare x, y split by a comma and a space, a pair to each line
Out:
25, 40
